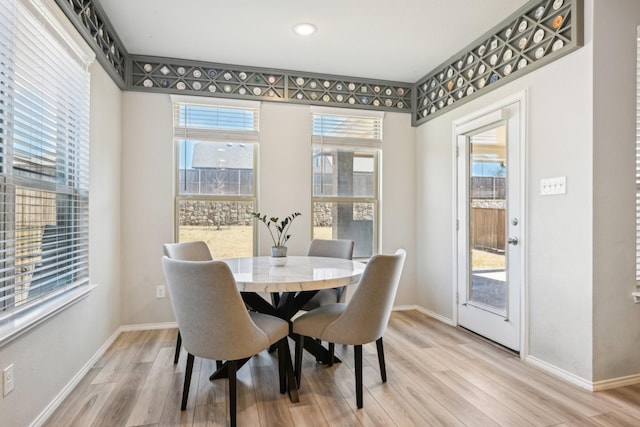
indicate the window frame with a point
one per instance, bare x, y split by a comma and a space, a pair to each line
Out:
44, 18
355, 145
178, 198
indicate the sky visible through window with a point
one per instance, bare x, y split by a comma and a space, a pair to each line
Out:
487, 169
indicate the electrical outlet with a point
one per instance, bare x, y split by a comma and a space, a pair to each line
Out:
8, 383
160, 291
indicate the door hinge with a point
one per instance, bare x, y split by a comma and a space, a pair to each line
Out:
457, 224
457, 298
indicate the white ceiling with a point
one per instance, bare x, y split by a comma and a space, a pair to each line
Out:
397, 40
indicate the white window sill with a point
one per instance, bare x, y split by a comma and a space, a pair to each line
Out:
21, 323
636, 296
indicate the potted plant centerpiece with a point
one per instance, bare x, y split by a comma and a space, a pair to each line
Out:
278, 234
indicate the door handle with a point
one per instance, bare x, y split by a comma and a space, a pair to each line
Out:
512, 241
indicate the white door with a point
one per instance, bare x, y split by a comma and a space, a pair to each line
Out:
489, 227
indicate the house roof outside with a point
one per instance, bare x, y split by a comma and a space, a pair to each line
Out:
217, 155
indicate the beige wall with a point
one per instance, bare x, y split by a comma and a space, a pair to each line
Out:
558, 242
284, 186
616, 317
580, 246
48, 357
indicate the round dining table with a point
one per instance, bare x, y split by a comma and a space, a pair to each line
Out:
299, 274
290, 286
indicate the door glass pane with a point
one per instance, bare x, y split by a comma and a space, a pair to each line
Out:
487, 205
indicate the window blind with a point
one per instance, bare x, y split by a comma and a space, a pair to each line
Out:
363, 130
44, 159
233, 122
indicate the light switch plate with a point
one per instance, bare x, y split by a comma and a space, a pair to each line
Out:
551, 186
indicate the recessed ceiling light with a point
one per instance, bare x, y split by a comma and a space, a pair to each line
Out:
304, 29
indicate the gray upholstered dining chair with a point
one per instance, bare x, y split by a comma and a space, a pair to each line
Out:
336, 248
186, 251
363, 320
215, 324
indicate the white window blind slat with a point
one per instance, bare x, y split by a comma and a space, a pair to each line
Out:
347, 130
216, 123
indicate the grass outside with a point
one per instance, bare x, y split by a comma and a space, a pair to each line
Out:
237, 241
483, 260
233, 241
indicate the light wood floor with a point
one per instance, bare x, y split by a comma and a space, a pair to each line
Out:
437, 375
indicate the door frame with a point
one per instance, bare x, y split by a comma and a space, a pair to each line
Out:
521, 98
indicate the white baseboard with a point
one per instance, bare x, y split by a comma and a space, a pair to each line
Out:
616, 382
429, 313
148, 326
561, 373
64, 393
581, 382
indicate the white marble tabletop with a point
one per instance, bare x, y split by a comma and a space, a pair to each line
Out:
256, 274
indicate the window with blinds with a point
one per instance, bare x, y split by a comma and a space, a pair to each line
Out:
216, 173
346, 150
44, 159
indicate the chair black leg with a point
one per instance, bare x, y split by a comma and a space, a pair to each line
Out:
232, 391
298, 358
178, 345
332, 349
288, 374
357, 350
187, 381
383, 370
281, 364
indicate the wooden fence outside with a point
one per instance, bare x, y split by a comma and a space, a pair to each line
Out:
488, 229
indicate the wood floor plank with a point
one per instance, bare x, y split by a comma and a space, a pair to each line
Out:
307, 416
270, 404
626, 399
497, 411
515, 398
118, 407
437, 375
615, 419
151, 399
405, 402
583, 402
448, 398
154, 341
322, 385
171, 413
85, 402
536, 398
121, 356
